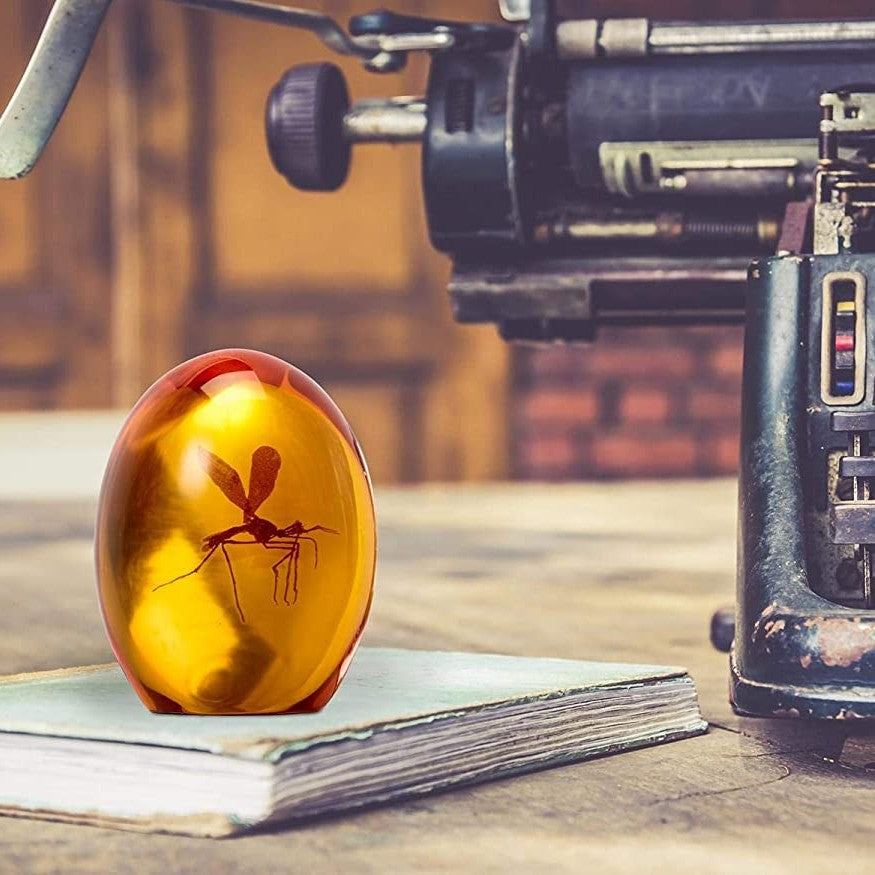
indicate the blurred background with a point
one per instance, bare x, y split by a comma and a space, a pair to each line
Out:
155, 228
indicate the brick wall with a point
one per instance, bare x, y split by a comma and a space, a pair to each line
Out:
640, 402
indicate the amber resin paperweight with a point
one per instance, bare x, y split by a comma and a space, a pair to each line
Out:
235, 540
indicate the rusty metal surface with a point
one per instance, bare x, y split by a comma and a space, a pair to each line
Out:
796, 228
795, 653
563, 299
817, 656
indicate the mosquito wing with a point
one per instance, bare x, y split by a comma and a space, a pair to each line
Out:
266, 463
226, 478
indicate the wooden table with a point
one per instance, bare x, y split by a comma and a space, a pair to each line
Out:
601, 571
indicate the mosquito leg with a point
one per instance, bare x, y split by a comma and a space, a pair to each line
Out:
295, 587
188, 573
322, 529
233, 583
295, 553
276, 570
299, 538
315, 549
288, 574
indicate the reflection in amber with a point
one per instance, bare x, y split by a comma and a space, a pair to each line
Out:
236, 544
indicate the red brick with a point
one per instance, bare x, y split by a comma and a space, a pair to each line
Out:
632, 455
726, 359
548, 456
712, 405
652, 336
565, 406
636, 431
724, 454
554, 361
627, 362
642, 405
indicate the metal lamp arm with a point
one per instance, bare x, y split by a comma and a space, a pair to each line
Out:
57, 62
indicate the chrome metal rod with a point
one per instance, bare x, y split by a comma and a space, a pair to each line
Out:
515, 10
759, 36
397, 120
587, 39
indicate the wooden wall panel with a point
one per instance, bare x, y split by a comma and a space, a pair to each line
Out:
26, 329
54, 242
155, 109
365, 238
17, 209
376, 413
76, 241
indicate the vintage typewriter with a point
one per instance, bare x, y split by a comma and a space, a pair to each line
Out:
584, 172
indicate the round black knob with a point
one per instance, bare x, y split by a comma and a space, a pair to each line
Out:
723, 629
304, 121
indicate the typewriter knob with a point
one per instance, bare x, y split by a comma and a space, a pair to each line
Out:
304, 122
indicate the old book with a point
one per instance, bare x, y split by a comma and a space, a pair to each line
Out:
78, 745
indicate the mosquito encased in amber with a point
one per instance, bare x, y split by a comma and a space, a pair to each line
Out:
236, 540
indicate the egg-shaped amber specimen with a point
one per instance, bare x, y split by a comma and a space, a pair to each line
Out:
235, 540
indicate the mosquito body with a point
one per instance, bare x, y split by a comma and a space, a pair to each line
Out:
266, 463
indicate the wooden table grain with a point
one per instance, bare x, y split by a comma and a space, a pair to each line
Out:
620, 572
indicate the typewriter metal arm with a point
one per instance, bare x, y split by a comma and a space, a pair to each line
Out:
29, 119
38, 103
